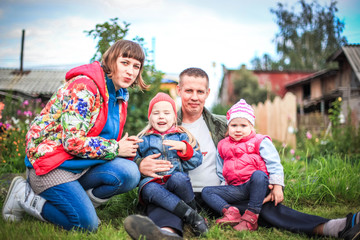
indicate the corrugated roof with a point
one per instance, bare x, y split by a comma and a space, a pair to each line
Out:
319, 74
352, 53
33, 83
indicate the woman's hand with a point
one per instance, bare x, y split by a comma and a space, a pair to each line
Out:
276, 194
128, 146
175, 145
150, 165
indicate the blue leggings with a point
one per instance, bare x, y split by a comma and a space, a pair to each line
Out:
69, 206
254, 190
177, 187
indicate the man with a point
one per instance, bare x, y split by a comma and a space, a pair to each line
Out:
209, 129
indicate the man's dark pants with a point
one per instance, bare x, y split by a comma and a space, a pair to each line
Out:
278, 216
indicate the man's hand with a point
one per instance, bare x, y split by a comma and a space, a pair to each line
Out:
128, 146
175, 145
276, 194
150, 165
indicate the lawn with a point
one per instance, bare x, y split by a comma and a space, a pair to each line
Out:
114, 212
112, 227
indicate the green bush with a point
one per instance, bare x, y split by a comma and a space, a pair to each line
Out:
15, 117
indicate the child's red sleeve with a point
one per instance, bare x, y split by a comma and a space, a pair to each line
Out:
189, 152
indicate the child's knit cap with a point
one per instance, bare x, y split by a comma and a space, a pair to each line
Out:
241, 109
159, 98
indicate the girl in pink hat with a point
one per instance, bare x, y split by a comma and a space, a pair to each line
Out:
246, 162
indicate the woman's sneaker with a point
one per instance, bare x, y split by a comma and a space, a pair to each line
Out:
12, 210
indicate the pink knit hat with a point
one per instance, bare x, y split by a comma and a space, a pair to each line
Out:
159, 98
241, 110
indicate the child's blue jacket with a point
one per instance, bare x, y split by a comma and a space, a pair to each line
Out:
153, 143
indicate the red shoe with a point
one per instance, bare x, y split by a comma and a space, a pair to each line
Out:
248, 222
231, 217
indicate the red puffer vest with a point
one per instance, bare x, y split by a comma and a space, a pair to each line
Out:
241, 158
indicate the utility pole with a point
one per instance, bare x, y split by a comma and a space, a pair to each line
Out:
153, 49
22, 51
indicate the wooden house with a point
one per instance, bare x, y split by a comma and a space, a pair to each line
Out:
316, 92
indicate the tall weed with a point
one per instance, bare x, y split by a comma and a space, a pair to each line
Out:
329, 178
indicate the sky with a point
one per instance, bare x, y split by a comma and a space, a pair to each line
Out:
182, 33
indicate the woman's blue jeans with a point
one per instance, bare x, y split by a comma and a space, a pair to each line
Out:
69, 206
253, 190
177, 187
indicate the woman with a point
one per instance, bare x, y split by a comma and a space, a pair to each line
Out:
75, 153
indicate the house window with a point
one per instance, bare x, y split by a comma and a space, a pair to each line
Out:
354, 82
306, 91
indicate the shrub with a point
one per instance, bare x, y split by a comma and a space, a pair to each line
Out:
340, 140
15, 117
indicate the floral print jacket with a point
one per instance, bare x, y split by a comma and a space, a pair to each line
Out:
70, 124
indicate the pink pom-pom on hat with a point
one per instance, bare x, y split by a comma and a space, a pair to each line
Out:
241, 110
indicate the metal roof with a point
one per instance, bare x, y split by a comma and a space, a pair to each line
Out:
319, 74
352, 54
42, 82
33, 82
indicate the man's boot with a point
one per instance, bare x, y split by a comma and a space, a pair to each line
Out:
141, 228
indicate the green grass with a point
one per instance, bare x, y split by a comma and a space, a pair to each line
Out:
325, 186
112, 228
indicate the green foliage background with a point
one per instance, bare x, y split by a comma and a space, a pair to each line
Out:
107, 34
306, 38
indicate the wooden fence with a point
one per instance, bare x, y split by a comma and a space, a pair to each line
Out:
315, 122
278, 119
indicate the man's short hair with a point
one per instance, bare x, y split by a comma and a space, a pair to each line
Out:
194, 72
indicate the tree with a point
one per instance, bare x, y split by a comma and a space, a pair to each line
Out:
107, 33
139, 100
266, 63
246, 86
306, 38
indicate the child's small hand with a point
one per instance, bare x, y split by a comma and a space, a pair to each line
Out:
276, 194
175, 145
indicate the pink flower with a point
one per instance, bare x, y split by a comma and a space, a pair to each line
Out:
19, 112
1, 124
292, 151
28, 113
308, 135
298, 157
26, 102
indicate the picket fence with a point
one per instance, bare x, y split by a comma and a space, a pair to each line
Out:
277, 119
